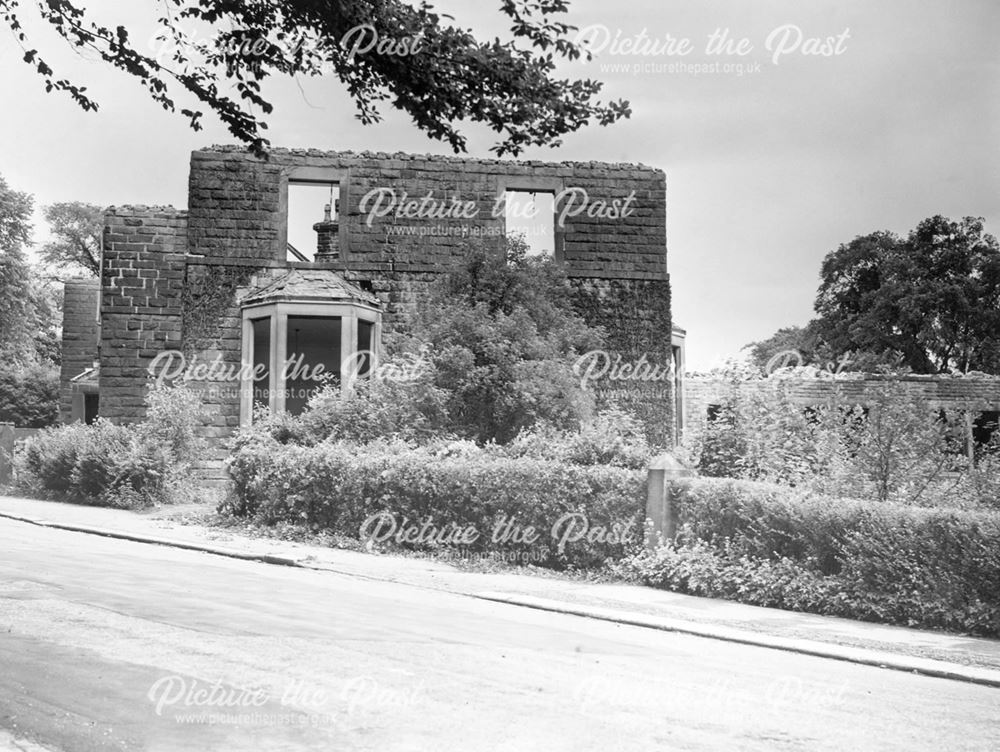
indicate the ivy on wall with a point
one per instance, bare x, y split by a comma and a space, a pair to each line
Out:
209, 298
636, 316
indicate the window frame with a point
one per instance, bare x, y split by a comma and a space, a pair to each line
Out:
529, 184
278, 312
339, 176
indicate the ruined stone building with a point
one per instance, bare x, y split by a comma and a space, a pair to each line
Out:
321, 253
977, 395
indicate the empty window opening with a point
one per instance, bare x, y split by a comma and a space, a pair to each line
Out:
91, 407
314, 358
984, 427
261, 362
955, 433
985, 438
366, 331
530, 215
309, 203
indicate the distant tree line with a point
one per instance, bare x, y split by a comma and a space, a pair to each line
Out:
31, 299
926, 303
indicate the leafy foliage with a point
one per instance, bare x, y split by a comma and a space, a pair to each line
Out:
612, 437
16, 312
76, 237
502, 337
448, 484
495, 343
29, 306
983, 478
29, 397
895, 447
373, 409
802, 340
927, 303
770, 545
932, 299
127, 466
382, 51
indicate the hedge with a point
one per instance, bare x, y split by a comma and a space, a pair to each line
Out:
338, 487
105, 464
773, 546
100, 464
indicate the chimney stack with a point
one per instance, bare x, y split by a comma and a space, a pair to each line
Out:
328, 240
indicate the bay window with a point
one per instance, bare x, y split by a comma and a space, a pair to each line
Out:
291, 349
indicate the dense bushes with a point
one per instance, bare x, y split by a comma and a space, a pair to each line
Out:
773, 546
116, 465
29, 395
497, 339
373, 409
869, 511
612, 437
895, 447
476, 418
442, 487
488, 355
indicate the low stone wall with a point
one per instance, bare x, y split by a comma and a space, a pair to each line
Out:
701, 392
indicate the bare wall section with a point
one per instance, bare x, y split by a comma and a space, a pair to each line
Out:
142, 280
81, 334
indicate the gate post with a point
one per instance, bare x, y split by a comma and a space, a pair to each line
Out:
6, 452
661, 517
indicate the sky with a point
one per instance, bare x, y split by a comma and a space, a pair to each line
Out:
773, 157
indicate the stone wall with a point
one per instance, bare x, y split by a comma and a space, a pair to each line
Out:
238, 208
80, 337
636, 313
142, 281
172, 279
940, 391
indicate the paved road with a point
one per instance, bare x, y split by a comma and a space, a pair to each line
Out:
110, 645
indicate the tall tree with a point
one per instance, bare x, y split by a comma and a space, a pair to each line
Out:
29, 306
15, 220
381, 49
931, 300
16, 310
76, 236
802, 340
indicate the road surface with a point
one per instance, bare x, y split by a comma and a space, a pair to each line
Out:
113, 645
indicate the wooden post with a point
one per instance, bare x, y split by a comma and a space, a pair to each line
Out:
661, 517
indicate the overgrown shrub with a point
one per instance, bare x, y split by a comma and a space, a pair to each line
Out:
502, 336
774, 546
612, 437
372, 409
698, 568
896, 447
126, 466
982, 482
44, 463
337, 487
29, 395
489, 354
